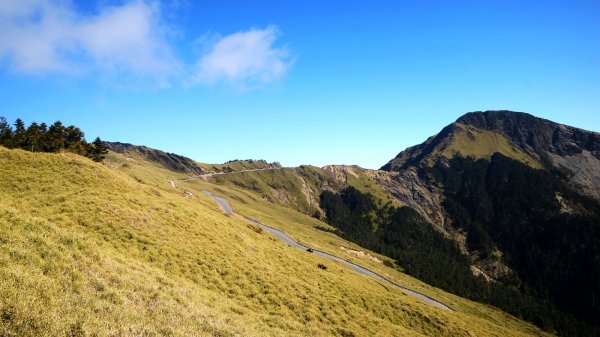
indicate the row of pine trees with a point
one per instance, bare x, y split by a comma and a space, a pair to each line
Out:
53, 138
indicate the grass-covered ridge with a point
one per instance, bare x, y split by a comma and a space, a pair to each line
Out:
240, 165
469, 141
458, 139
299, 187
294, 187
114, 249
283, 186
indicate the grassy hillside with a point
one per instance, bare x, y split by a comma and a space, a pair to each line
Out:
283, 186
470, 141
360, 179
299, 187
116, 249
460, 139
295, 187
177, 163
238, 165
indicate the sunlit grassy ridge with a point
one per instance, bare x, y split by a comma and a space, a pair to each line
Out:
470, 141
282, 186
361, 181
463, 140
299, 188
236, 165
87, 249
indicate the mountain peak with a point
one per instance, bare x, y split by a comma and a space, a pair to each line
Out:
491, 118
537, 142
509, 122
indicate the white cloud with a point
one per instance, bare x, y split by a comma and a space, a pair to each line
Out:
244, 58
50, 36
130, 42
128, 36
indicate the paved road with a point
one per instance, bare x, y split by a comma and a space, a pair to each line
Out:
227, 209
285, 238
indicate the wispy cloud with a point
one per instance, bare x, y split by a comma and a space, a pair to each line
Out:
45, 36
245, 58
130, 41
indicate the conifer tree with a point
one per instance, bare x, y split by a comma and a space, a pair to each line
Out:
74, 141
6, 133
97, 150
19, 137
56, 138
33, 137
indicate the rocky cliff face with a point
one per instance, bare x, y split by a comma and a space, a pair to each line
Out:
411, 190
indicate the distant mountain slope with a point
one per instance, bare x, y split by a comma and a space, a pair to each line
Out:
462, 139
183, 164
294, 187
571, 152
299, 187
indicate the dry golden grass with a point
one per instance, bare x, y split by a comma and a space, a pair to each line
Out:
87, 249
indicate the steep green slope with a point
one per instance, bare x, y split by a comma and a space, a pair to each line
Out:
288, 187
87, 249
464, 140
469, 141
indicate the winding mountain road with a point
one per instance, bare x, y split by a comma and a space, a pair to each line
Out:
199, 176
227, 209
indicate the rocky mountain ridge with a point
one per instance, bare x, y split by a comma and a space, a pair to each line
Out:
571, 152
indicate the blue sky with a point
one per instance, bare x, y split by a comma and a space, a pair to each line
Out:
300, 82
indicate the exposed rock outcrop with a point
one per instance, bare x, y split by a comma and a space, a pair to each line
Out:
411, 190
